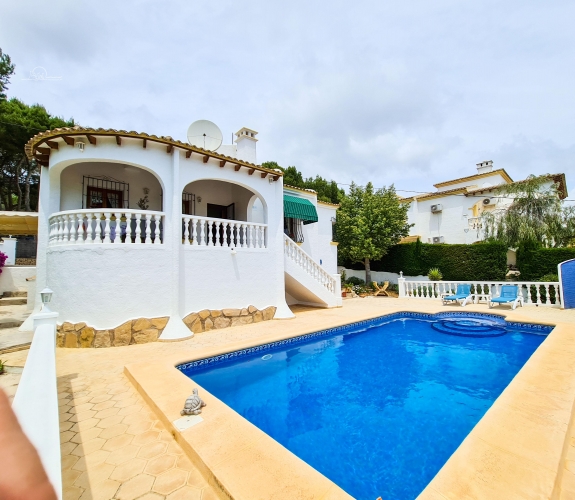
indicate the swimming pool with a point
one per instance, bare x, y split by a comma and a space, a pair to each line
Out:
377, 406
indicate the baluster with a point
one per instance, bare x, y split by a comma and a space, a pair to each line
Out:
186, 231
210, 235
155, 229
528, 295
106, 223
249, 238
148, 229
557, 295
237, 227
73, 228
98, 228
58, 229
53, 230
138, 229
194, 231
261, 236
83, 234
201, 232
243, 236
538, 289
547, 296
225, 241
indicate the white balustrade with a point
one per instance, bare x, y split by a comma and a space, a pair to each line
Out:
207, 231
535, 293
310, 266
114, 226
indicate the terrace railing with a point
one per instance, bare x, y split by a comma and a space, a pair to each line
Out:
310, 266
211, 232
534, 292
99, 226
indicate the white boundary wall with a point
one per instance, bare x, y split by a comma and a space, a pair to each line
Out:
379, 276
13, 278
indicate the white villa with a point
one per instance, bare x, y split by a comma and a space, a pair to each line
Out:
136, 231
452, 214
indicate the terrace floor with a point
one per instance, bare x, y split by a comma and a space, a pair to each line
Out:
114, 447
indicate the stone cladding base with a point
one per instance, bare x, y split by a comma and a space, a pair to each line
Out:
144, 330
216, 319
137, 331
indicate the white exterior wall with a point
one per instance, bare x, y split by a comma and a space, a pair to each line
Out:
490, 180
8, 248
107, 284
452, 221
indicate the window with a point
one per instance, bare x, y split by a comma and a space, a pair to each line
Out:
188, 203
294, 229
104, 198
104, 192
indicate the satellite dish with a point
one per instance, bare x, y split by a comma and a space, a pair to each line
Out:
205, 134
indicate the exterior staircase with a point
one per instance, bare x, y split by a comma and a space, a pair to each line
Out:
13, 312
306, 281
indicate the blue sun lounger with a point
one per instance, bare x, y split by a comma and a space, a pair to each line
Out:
462, 293
509, 294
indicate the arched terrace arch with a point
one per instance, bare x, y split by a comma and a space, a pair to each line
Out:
208, 205
100, 200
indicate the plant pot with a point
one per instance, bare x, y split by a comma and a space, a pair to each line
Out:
344, 293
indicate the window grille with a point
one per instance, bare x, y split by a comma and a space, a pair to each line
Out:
294, 229
104, 192
188, 203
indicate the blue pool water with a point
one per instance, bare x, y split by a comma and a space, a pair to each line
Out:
377, 407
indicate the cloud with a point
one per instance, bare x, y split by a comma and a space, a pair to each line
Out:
411, 93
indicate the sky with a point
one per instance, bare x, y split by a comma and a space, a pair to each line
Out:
407, 92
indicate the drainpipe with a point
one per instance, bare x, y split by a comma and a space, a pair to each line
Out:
176, 328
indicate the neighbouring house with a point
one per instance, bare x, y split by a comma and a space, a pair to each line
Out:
136, 227
452, 213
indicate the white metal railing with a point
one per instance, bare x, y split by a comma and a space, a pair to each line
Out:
534, 292
210, 232
310, 266
94, 226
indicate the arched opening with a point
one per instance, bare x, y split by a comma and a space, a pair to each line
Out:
107, 202
220, 213
220, 200
107, 185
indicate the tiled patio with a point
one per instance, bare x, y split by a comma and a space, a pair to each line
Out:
114, 447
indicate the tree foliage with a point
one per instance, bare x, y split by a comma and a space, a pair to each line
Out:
326, 190
369, 223
535, 217
19, 177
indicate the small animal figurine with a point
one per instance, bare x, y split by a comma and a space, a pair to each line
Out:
193, 405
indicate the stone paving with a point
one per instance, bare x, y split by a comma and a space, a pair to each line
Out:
114, 447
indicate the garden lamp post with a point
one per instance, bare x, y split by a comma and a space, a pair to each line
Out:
46, 296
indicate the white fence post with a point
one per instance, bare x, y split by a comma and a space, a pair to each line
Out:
401, 285
36, 400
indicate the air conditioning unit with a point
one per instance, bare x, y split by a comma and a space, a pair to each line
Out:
436, 208
488, 201
438, 239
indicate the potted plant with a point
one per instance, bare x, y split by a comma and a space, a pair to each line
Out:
434, 274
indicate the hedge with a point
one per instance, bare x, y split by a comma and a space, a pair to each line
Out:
536, 263
481, 262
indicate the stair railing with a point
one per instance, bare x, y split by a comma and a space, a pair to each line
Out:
311, 267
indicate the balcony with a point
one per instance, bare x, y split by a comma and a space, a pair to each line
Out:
211, 232
100, 226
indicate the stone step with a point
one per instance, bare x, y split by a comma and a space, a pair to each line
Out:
10, 323
13, 301
15, 294
14, 348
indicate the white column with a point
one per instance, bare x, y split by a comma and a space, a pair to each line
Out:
401, 286
175, 329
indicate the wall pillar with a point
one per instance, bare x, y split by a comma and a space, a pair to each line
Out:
401, 286
176, 328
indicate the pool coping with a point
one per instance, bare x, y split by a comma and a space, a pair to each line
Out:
496, 460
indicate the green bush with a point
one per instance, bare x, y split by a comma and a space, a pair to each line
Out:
434, 274
480, 262
536, 263
355, 281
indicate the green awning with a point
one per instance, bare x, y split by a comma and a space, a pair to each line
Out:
299, 208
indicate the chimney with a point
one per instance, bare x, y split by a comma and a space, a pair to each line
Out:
485, 167
246, 144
